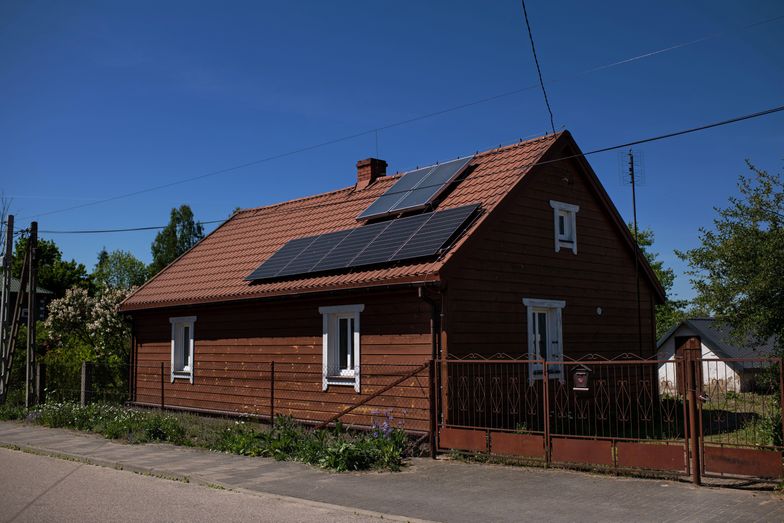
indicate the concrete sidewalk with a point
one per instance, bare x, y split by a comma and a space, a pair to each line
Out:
439, 490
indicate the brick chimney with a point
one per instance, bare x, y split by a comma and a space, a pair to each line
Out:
369, 170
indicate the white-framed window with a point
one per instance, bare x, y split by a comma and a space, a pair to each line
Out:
182, 347
340, 339
565, 225
545, 336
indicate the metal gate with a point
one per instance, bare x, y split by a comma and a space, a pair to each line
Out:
682, 416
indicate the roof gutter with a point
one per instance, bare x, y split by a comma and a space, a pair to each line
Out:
381, 286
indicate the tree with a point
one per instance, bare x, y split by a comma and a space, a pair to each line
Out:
54, 273
671, 311
119, 270
182, 233
738, 269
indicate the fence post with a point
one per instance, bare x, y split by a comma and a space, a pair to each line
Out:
431, 371
691, 363
272, 393
87, 383
40, 383
162, 382
781, 394
546, 404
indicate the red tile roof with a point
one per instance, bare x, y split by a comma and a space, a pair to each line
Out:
215, 269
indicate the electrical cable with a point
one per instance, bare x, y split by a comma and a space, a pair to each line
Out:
538, 68
624, 145
403, 122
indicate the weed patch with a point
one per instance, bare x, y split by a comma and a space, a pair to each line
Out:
336, 449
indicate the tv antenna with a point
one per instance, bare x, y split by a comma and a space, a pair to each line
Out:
634, 175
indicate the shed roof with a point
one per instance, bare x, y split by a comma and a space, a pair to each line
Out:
16, 285
215, 269
718, 337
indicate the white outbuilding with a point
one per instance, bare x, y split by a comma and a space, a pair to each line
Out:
726, 365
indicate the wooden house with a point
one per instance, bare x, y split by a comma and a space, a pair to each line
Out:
514, 250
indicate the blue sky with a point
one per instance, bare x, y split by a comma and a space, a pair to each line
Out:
105, 98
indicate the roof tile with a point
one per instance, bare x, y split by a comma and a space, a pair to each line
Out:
214, 270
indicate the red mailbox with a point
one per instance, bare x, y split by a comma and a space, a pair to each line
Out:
580, 378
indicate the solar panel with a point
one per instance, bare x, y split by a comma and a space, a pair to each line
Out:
394, 194
308, 258
405, 238
391, 240
340, 257
416, 189
431, 186
435, 233
280, 258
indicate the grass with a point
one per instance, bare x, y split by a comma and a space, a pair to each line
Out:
337, 449
743, 418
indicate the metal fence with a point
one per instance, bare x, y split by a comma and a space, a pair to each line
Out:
391, 394
685, 415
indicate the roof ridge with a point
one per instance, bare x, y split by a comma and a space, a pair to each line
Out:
520, 143
398, 173
295, 200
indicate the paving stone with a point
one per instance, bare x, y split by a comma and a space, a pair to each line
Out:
440, 490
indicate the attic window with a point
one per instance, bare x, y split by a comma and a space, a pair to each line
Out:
565, 225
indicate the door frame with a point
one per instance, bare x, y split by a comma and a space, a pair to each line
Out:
553, 310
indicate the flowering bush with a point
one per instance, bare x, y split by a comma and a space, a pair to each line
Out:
91, 320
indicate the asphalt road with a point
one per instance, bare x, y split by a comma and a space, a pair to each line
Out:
42, 489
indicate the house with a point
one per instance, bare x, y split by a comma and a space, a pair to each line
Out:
514, 250
43, 297
719, 371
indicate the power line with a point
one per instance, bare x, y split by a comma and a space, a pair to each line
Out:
128, 229
538, 69
406, 121
624, 145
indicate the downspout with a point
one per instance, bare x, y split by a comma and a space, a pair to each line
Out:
435, 323
433, 392
132, 363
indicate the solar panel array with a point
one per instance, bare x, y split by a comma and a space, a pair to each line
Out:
395, 240
415, 189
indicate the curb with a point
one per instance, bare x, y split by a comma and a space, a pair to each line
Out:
200, 481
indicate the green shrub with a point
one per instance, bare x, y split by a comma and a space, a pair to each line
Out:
770, 429
158, 427
334, 449
348, 455
240, 439
10, 412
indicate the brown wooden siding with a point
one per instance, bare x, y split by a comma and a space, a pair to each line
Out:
512, 256
235, 344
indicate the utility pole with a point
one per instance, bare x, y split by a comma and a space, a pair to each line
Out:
5, 296
632, 179
32, 247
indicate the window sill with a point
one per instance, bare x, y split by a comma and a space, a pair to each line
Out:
342, 380
566, 246
182, 375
